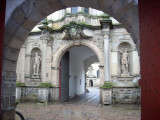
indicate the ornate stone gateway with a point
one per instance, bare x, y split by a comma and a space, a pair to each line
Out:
112, 44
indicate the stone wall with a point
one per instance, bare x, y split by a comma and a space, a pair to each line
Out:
126, 95
121, 95
37, 94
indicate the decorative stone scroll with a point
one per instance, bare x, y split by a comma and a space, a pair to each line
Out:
99, 42
74, 32
58, 43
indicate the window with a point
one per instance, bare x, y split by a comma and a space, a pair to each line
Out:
86, 10
98, 74
74, 10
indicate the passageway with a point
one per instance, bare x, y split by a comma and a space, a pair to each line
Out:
72, 77
90, 98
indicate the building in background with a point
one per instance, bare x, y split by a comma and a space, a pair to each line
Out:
92, 75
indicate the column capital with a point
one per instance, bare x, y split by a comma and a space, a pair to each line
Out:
106, 24
105, 33
45, 36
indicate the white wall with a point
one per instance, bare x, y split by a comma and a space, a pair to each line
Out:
76, 71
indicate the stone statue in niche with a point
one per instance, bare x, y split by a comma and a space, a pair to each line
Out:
36, 65
124, 61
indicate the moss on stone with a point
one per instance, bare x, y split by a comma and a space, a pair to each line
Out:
107, 85
19, 84
45, 85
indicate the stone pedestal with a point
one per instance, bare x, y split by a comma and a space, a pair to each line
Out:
106, 96
126, 95
33, 93
43, 94
125, 77
35, 80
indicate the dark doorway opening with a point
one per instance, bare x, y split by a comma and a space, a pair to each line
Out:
91, 83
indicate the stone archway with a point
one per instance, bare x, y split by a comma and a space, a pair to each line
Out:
64, 48
20, 19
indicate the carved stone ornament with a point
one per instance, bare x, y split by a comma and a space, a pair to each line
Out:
105, 33
74, 32
45, 35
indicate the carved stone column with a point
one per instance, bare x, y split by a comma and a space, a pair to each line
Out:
44, 37
27, 67
106, 92
22, 64
106, 25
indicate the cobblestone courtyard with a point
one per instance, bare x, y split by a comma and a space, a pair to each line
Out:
85, 107
55, 111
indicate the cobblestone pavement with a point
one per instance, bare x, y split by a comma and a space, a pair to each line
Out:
87, 108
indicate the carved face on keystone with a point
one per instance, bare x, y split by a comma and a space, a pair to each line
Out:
73, 31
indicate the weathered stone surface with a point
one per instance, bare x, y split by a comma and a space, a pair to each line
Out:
9, 89
11, 53
6, 102
9, 76
12, 101
11, 27
72, 3
56, 5
106, 96
37, 94
126, 95
19, 16
9, 65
